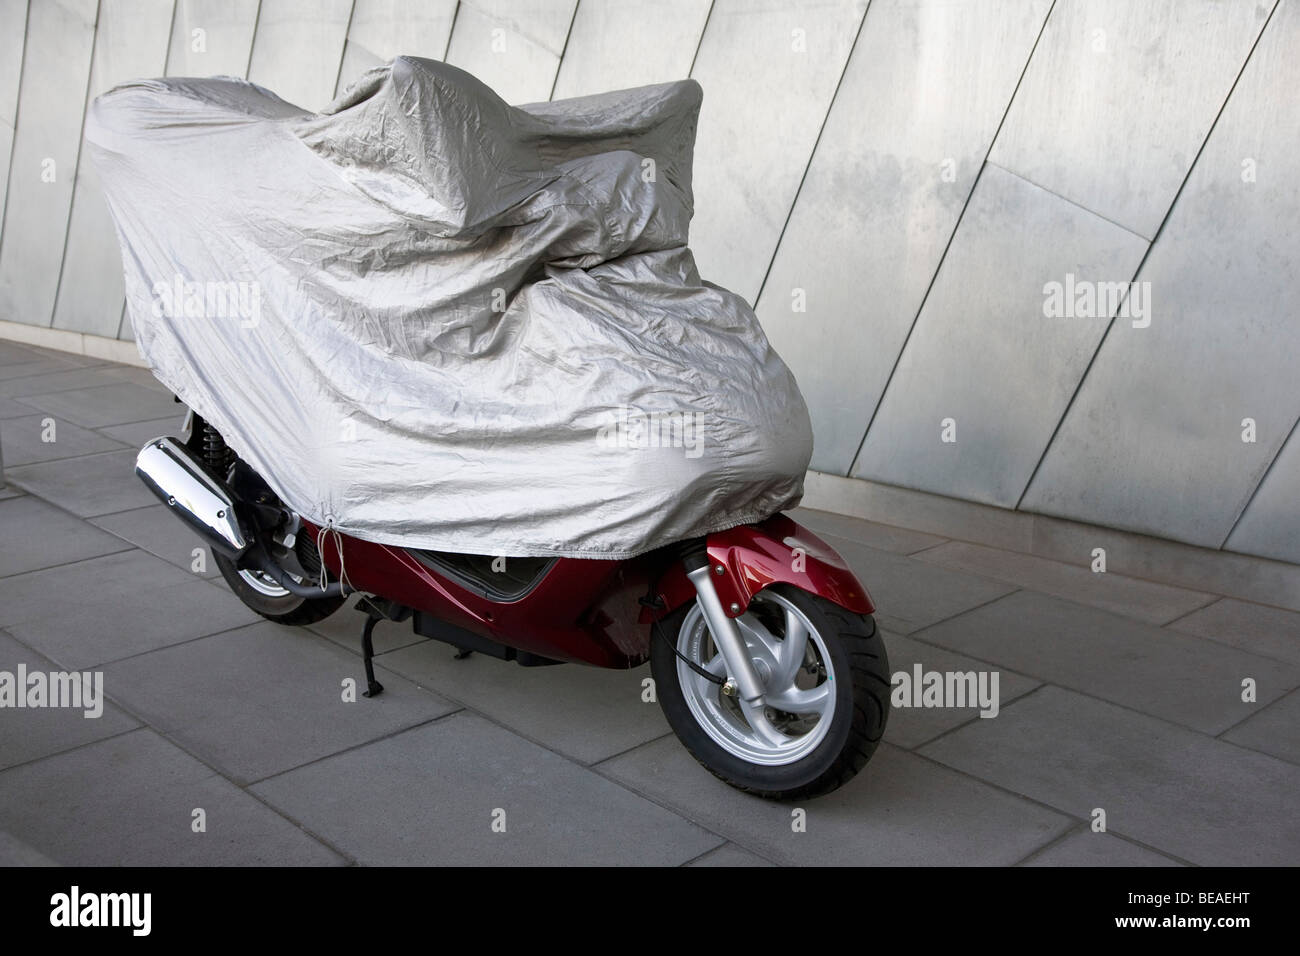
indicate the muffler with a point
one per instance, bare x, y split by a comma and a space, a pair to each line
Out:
193, 493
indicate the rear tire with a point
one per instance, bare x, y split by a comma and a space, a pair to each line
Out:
259, 594
842, 686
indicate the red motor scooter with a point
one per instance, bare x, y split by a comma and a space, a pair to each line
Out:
765, 656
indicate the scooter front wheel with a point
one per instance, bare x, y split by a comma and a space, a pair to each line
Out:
825, 677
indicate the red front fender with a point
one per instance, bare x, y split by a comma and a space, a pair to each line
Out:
776, 551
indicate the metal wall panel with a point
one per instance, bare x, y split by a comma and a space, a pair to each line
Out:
984, 354
383, 29
130, 42
211, 37
903, 144
1120, 96
1153, 442
514, 46
1270, 526
298, 48
769, 72
56, 67
616, 44
13, 31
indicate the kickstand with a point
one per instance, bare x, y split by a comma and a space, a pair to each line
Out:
462, 653
373, 687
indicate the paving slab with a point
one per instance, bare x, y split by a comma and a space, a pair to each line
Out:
12, 408
135, 434
1274, 730
11, 353
38, 535
444, 784
49, 381
33, 367
910, 594
129, 801
343, 627
883, 537
1196, 798
261, 699
1141, 600
1086, 848
85, 584
900, 810
156, 530
87, 486
122, 625
27, 733
729, 855
113, 404
25, 444
141, 376
1267, 631
1179, 677
16, 852
587, 713
909, 727
72, 358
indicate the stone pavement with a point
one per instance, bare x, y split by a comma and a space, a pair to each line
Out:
1116, 694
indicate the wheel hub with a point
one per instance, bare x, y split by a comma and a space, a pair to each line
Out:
792, 663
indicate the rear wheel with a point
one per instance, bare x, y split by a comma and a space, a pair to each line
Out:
826, 684
275, 603
257, 590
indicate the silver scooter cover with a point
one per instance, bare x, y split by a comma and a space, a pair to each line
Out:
430, 319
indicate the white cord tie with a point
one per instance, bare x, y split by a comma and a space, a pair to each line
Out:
329, 529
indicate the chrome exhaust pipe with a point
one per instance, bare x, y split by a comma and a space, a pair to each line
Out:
185, 485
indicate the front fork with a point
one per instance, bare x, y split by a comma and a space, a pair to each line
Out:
725, 631
744, 681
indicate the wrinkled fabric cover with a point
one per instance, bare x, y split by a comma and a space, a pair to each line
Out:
458, 319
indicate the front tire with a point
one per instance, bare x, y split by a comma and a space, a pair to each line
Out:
826, 665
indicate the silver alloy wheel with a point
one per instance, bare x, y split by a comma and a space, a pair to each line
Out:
798, 680
262, 583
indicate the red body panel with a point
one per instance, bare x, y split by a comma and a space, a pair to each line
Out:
587, 611
776, 551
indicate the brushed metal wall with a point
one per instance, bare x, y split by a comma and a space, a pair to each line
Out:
899, 186
13, 31
383, 29
131, 40
43, 160
904, 142
1163, 406
985, 376
514, 46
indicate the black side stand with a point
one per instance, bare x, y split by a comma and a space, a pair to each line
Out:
373, 687
376, 609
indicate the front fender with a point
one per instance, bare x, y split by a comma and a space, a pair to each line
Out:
776, 551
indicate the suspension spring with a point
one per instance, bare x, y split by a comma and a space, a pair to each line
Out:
216, 453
